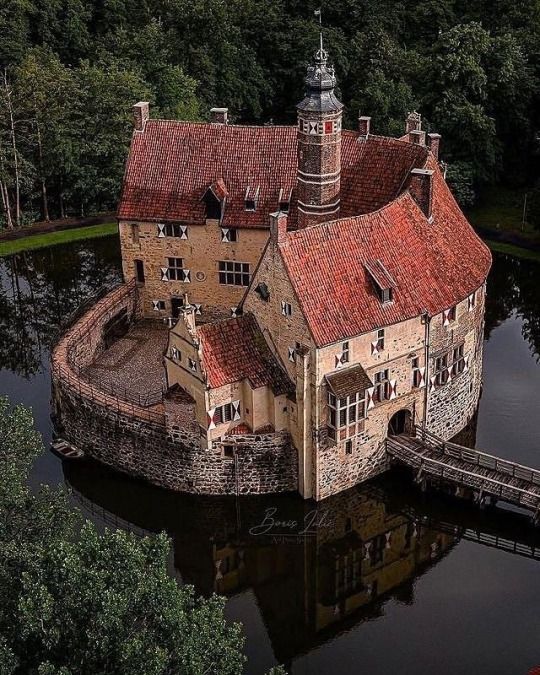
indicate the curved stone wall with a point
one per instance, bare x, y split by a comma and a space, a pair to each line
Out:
138, 440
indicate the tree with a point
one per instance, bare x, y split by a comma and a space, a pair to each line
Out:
75, 601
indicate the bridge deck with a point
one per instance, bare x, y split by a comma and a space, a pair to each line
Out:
487, 474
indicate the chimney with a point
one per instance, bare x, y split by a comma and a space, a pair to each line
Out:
188, 314
421, 189
364, 125
413, 122
278, 226
219, 115
434, 141
417, 137
141, 114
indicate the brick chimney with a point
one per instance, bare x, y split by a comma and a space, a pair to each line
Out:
141, 114
278, 226
417, 137
219, 115
434, 141
364, 126
421, 189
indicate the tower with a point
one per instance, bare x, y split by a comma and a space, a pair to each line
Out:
319, 145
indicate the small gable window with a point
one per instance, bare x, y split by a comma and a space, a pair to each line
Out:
382, 281
286, 308
251, 198
229, 234
262, 291
284, 200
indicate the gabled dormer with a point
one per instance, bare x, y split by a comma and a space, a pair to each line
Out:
381, 279
215, 198
251, 198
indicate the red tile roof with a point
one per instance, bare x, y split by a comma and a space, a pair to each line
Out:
234, 350
172, 164
434, 265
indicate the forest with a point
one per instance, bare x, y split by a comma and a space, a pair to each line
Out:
70, 70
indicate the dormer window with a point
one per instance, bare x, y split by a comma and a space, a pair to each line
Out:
284, 201
382, 281
214, 199
251, 198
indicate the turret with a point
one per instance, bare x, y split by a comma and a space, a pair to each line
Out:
319, 145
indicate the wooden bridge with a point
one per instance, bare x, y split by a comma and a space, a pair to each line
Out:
488, 476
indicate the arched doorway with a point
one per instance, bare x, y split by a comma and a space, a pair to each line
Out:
400, 423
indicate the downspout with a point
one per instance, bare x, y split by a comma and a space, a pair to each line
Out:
427, 324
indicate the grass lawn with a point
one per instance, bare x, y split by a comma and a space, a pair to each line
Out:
501, 209
515, 251
61, 237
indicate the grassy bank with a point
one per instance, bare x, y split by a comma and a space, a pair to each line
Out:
52, 238
516, 251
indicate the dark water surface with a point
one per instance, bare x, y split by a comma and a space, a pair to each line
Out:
379, 580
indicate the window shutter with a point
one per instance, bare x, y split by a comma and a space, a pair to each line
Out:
422, 382
291, 354
369, 396
174, 353
367, 549
446, 317
155, 305
449, 371
225, 234
283, 308
211, 421
164, 274
236, 410
432, 381
466, 368
183, 231
234, 312
186, 276
374, 347
388, 543
198, 308
471, 302
161, 230
393, 389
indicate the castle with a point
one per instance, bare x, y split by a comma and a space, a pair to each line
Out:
322, 290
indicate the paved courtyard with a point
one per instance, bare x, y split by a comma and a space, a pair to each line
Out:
133, 364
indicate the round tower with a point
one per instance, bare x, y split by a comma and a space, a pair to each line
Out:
319, 145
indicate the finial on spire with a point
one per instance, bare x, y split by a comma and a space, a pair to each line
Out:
321, 56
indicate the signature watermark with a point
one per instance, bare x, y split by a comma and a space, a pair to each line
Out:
286, 529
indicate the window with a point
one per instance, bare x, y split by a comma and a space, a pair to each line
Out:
449, 315
286, 308
458, 360
134, 230
192, 365
345, 416
345, 352
229, 234
176, 354
381, 391
417, 375
251, 198
176, 271
139, 271
284, 200
262, 291
224, 413
441, 370
471, 301
158, 305
233, 273
380, 340
348, 447
228, 450
386, 295
213, 206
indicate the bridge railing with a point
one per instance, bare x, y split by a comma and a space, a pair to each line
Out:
478, 458
461, 475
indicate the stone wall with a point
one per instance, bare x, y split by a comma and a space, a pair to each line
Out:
173, 458
163, 443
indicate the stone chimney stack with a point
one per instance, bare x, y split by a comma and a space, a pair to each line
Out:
364, 126
417, 137
219, 115
188, 314
141, 114
413, 122
421, 189
278, 226
434, 141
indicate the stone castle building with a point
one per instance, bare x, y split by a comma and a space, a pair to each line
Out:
322, 289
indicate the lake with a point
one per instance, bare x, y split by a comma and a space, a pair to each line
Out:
382, 579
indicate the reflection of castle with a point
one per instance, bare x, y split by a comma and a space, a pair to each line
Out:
317, 570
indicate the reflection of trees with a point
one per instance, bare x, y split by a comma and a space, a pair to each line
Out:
513, 286
38, 291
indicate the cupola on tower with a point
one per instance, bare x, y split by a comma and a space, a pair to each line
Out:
319, 145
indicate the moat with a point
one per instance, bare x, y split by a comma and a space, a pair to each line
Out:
424, 596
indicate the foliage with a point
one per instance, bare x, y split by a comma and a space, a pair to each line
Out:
460, 177
533, 208
76, 601
73, 69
